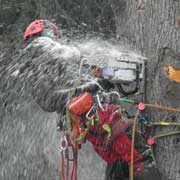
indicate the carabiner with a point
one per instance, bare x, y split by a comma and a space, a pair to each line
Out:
63, 143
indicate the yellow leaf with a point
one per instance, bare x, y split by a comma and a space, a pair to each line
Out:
172, 73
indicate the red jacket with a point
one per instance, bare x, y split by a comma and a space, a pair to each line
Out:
118, 147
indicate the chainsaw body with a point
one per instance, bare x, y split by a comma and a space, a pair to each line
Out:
124, 69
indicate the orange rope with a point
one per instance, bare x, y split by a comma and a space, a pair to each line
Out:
132, 146
162, 107
134, 130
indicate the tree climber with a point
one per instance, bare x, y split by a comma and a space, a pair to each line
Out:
51, 69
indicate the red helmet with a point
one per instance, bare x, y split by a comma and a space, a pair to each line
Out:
38, 26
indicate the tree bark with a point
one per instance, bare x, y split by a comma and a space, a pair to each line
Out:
152, 28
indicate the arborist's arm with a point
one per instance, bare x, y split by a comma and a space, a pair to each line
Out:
45, 74
51, 91
45, 95
51, 74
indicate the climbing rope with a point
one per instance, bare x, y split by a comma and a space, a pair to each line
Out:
65, 176
67, 163
162, 123
68, 133
158, 123
132, 145
74, 169
162, 107
140, 108
166, 134
64, 152
130, 101
62, 166
160, 136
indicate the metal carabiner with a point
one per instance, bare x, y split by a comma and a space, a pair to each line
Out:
99, 103
63, 143
89, 112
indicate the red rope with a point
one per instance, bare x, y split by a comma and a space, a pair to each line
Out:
62, 166
67, 163
74, 170
74, 166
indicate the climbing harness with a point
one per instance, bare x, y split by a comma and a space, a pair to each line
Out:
64, 150
70, 133
66, 144
80, 104
84, 115
76, 107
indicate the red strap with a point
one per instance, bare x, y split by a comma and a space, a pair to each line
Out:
74, 171
67, 163
62, 166
74, 168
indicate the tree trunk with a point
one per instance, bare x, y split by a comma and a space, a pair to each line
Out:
152, 27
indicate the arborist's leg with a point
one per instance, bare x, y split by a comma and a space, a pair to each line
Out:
122, 146
118, 170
